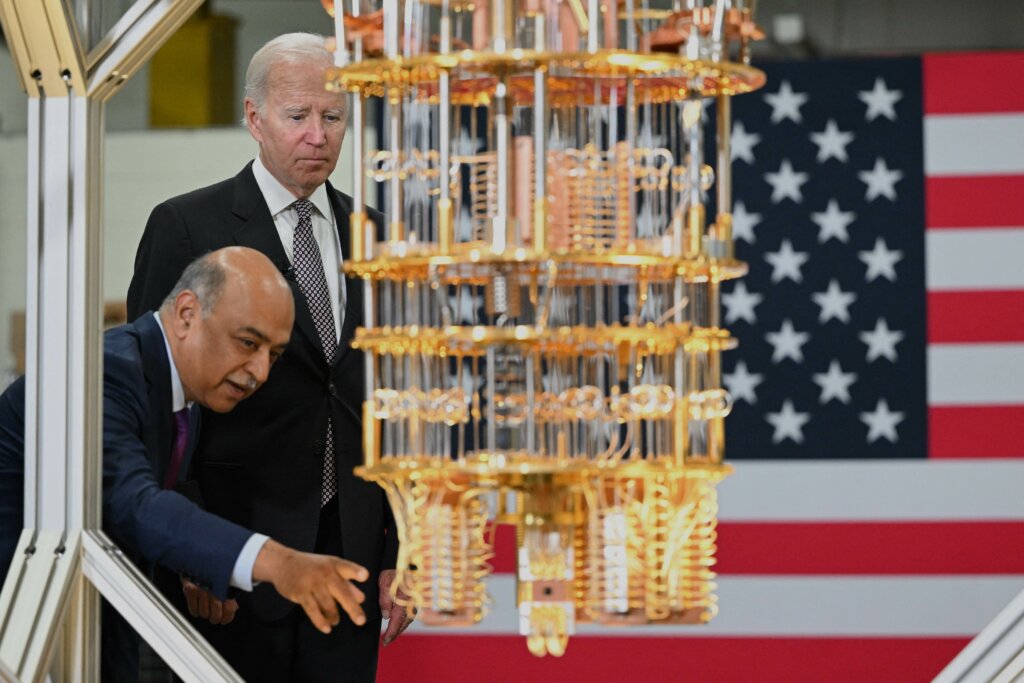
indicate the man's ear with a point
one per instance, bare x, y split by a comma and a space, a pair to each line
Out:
252, 120
186, 313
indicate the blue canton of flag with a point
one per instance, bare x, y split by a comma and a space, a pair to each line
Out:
829, 213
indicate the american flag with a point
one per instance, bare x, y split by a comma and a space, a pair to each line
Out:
875, 521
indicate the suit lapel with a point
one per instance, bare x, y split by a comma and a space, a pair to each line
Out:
157, 371
353, 286
257, 230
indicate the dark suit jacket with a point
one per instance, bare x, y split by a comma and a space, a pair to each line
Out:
261, 465
151, 525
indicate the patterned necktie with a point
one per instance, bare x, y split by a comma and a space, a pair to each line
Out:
178, 448
309, 273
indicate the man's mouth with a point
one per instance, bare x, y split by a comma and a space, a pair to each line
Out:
237, 390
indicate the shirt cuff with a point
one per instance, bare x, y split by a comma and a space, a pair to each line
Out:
241, 575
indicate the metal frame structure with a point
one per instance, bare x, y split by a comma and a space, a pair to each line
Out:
49, 605
995, 654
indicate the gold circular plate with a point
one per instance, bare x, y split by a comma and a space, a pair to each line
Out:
572, 78
475, 264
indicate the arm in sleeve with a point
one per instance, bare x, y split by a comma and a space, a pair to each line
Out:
241, 575
164, 251
162, 526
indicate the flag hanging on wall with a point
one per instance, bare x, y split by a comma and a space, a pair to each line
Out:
873, 524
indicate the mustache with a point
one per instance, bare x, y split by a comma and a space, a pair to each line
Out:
248, 382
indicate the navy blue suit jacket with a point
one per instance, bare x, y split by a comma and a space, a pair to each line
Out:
152, 525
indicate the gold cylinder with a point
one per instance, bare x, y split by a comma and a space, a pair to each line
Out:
445, 226
695, 230
540, 225
723, 231
357, 230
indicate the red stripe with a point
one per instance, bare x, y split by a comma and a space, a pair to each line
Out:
978, 316
504, 561
850, 548
974, 201
976, 431
590, 659
870, 548
973, 83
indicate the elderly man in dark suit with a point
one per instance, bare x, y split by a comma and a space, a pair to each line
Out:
283, 463
213, 341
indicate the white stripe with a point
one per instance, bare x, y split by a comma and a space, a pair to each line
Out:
982, 258
979, 144
873, 490
806, 606
975, 374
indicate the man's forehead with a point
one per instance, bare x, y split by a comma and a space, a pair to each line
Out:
266, 330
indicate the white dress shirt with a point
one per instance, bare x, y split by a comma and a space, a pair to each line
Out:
241, 574
279, 200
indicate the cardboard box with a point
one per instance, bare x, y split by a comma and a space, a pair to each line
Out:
114, 313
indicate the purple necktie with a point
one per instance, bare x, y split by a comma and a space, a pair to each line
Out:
178, 449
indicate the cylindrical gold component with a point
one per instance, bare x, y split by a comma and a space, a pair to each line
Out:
357, 234
522, 148
371, 436
723, 232
445, 226
695, 230
481, 25
540, 225
568, 24
610, 10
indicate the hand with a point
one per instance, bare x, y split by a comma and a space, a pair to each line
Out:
398, 617
202, 604
317, 583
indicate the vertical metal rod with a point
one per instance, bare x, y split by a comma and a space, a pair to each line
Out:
503, 25
492, 428
718, 29
395, 104
391, 18
723, 221
594, 20
631, 134
504, 175
341, 55
445, 216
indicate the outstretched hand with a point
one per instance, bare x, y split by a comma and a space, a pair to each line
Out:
317, 583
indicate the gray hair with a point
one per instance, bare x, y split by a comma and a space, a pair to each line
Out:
204, 277
289, 48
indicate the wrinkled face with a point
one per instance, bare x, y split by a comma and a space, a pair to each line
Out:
301, 127
225, 357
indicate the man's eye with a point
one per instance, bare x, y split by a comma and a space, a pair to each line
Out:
248, 343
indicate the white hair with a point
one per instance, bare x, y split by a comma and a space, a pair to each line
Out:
289, 48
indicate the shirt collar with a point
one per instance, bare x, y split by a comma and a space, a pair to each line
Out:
178, 401
279, 198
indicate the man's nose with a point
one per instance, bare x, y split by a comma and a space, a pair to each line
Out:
316, 134
259, 366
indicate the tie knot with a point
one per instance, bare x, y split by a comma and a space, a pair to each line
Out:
304, 208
